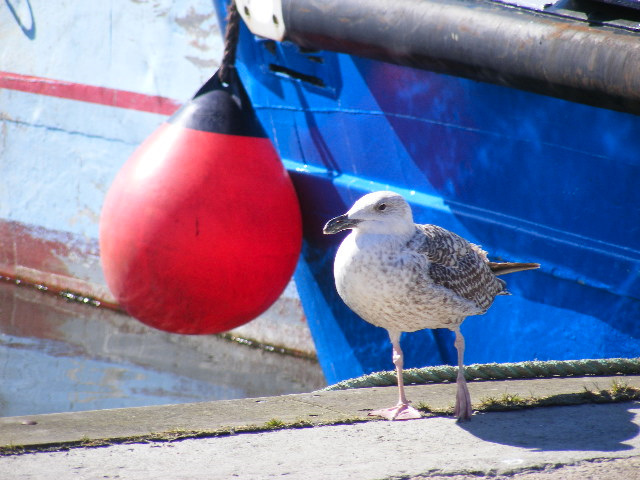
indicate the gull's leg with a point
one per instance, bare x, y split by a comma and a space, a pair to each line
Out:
463, 399
402, 411
398, 361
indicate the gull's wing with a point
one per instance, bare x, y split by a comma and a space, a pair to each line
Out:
457, 264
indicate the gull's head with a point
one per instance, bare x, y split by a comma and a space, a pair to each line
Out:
378, 212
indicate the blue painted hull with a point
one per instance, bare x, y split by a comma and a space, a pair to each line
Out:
530, 178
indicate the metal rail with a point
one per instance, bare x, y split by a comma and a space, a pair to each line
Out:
480, 40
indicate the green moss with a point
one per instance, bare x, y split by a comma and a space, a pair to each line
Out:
507, 401
424, 407
274, 423
172, 435
12, 449
620, 391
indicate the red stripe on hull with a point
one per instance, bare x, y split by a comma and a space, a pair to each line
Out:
88, 93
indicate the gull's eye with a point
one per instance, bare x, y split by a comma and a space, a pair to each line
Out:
381, 207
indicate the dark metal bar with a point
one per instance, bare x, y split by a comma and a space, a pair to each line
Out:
481, 40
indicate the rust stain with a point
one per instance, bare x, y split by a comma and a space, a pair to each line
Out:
42, 257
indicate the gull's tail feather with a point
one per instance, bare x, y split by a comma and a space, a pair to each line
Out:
502, 268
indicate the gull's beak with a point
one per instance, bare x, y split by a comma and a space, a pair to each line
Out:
338, 224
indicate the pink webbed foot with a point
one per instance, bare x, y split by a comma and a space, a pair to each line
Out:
399, 412
463, 402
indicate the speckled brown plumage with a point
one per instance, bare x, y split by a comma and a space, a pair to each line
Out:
458, 265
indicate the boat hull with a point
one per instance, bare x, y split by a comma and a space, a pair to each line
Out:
529, 177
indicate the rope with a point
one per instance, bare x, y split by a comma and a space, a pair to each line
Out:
497, 371
230, 44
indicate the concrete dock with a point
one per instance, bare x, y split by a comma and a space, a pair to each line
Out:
327, 435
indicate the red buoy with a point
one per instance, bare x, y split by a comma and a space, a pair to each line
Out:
201, 230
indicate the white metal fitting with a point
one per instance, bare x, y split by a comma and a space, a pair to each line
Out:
263, 17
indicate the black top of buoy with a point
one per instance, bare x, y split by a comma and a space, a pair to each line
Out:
220, 108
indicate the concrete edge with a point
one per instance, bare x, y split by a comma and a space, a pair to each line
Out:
58, 431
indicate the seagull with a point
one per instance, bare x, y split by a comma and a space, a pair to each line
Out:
405, 277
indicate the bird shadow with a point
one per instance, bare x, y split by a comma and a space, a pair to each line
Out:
590, 427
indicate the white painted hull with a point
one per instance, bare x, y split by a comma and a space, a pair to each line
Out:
82, 84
